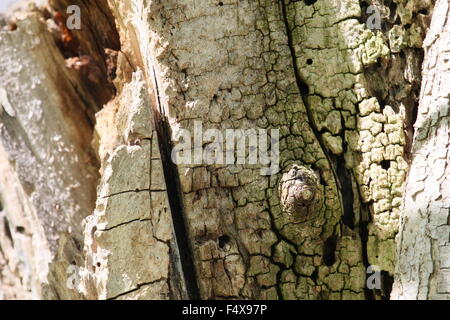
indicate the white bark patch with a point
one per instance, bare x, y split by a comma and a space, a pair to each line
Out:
4, 102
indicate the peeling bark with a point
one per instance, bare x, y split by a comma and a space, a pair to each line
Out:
423, 253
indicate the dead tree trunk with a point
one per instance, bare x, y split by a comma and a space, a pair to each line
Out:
424, 249
121, 175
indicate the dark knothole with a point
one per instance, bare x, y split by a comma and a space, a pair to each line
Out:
387, 281
314, 275
392, 10
304, 89
310, 2
20, 229
309, 61
223, 241
329, 248
385, 164
364, 5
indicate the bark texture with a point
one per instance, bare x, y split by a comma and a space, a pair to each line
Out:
423, 270
95, 208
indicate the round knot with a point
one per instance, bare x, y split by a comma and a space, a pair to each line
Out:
298, 189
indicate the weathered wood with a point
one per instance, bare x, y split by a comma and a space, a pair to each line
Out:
97, 206
49, 171
423, 253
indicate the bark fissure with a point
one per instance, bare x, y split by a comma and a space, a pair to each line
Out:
138, 287
175, 200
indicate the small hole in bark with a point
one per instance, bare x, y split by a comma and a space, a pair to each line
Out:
309, 61
73, 263
20, 229
99, 264
310, 2
12, 26
304, 89
379, 62
314, 275
364, 6
220, 3
223, 241
424, 12
385, 164
329, 247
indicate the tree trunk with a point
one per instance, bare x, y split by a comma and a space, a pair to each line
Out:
423, 268
120, 177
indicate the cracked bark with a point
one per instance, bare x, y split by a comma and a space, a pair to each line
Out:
105, 201
423, 266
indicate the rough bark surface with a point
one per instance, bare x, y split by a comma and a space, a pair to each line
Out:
423, 270
95, 208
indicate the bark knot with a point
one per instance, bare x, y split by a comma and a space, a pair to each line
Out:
298, 190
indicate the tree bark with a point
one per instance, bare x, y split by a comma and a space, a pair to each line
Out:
95, 207
424, 250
